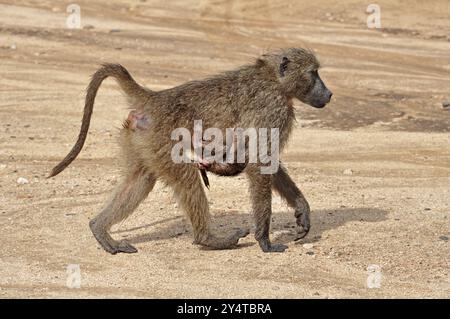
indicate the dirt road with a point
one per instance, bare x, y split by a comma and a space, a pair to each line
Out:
374, 164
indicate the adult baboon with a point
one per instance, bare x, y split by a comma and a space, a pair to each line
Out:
258, 95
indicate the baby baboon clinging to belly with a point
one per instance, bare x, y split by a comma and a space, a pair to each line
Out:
258, 95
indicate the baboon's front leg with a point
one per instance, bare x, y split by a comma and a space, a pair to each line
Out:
127, 196
261, 196
287, 189
192, 198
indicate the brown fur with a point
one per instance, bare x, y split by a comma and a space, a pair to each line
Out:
257, 95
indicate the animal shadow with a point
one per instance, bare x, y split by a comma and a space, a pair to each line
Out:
282, 222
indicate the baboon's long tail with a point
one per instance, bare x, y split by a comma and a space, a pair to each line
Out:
134, 91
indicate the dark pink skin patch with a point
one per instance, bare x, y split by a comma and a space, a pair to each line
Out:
138, 120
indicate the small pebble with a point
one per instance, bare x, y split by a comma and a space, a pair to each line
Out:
310, 253
13, 46
444, 238
22, 181
308, 246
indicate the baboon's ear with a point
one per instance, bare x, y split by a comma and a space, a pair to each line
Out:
283, 65
260, 62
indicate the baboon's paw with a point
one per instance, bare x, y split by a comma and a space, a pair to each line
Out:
268, 247
113, 247
233, 240
304, 225
241, 233
102, 238
125, 247
213, 242
108, 244
301, 234
276, 248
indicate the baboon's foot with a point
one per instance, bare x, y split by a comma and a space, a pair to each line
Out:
268, 247
108, 243
126, 247
228, 242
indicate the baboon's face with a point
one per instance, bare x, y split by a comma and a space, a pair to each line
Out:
299, 76
317, 94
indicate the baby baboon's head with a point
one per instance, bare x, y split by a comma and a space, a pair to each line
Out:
297, 72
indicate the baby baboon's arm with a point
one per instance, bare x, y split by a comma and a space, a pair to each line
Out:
223, 168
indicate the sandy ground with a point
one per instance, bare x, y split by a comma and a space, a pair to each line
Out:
385, 123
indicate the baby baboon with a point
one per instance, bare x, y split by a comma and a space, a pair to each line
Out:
222, 168
258, 95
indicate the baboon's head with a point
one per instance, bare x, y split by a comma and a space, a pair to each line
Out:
298, 73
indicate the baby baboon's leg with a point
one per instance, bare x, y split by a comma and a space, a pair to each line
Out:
261, 196
191, 197
287, 189
127, 196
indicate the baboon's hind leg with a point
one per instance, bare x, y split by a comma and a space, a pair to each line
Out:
125, 199
192, 198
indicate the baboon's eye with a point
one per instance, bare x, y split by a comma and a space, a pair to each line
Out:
314, 75
283, 66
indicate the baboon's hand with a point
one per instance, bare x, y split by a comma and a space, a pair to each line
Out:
203, 164
303, 222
